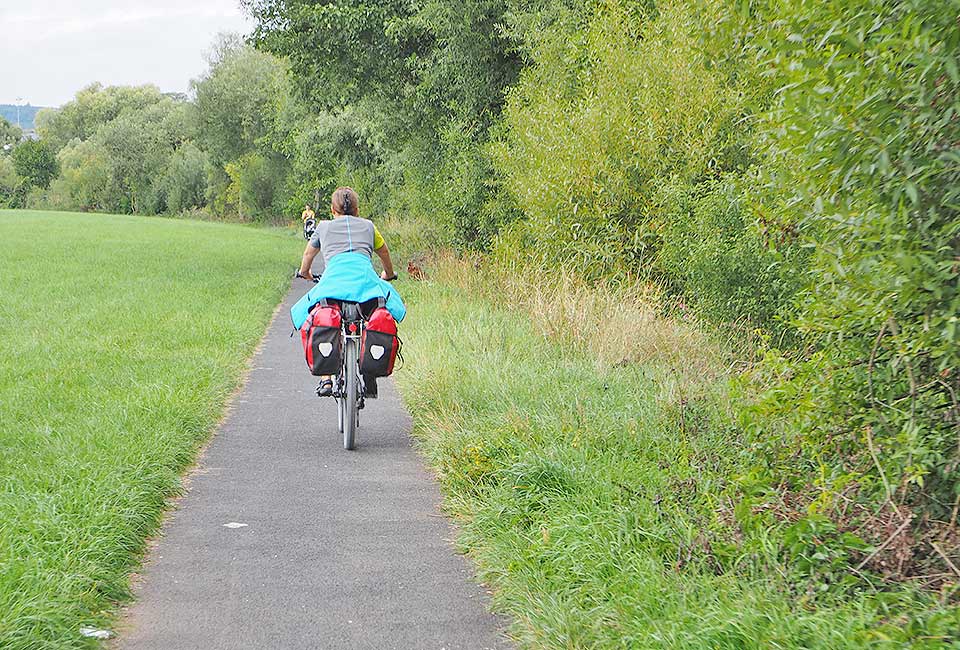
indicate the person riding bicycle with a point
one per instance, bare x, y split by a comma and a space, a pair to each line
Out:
309, 221
347, 243
307, 213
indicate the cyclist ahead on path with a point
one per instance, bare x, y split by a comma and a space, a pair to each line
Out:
307, 213
309, 221
347, 243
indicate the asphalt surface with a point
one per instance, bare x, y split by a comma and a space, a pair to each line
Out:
338, 549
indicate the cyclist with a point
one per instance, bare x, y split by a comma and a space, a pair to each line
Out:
307, 213
347, 243
309, 220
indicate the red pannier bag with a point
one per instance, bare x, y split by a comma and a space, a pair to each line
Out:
322, 344
379, 344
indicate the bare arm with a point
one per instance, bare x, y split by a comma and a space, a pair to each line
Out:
384, 254
308, 254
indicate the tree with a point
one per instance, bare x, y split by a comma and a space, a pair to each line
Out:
431, 61
184, 182
85, 181
10, 135
139, 145
237, 99
248, 122
91, 108
36, 161
426, 80
355, 48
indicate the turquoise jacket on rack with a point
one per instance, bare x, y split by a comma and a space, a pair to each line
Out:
349, 276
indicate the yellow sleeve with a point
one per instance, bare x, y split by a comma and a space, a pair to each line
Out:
377, 239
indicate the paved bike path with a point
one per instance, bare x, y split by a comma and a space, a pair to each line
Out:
338, 549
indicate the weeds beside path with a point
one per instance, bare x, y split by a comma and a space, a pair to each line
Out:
596, 496
122, 338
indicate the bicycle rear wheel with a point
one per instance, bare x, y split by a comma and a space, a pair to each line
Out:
348, 404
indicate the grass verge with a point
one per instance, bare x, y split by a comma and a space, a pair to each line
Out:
122, 339
598, 479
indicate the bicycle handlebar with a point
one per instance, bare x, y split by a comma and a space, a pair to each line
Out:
314, 276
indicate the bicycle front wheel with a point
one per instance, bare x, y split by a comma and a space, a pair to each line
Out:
348, 404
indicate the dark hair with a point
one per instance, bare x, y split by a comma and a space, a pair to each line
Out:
345, 201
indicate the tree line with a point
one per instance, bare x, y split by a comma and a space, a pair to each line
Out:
227, 152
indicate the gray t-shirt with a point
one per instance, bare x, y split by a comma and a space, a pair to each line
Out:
343, 235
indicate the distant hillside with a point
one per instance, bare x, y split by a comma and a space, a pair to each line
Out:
27, 114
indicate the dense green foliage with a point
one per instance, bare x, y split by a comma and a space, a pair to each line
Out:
92, 108
35, 162
871, 91
408, 94
137, 150
106, 391
794, 165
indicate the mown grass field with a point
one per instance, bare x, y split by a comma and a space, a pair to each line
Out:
121, 338
594, 496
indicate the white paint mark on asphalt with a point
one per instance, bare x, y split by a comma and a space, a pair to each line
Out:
94, 633
234, 524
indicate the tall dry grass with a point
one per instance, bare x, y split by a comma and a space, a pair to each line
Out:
614, 324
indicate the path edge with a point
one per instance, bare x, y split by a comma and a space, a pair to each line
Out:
135, 577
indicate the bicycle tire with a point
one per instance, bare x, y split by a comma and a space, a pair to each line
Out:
352, 390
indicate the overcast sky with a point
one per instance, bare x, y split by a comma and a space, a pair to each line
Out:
49, 49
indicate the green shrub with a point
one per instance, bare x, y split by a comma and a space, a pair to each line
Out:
866, 132
10, 183
611, 112
254, 185
184, 183
85, 181
723, 261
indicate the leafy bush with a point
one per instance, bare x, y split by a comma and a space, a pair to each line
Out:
10, 183
184, 183
723, 261
254, 184
85, 181
620, 119
870, 91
